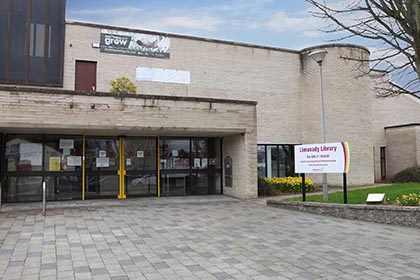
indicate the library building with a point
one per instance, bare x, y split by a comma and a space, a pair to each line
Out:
208, 116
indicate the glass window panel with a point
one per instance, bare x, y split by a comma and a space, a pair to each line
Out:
175, 154
25, 188
272, 161
200, 153
39, 40
174, 184
18, 38
97, 185
284, 155
24, 154
142, 184
32, 39
102, 154
140, 154
55, 44
64, 187
4, 37
63, 154
214, 169
261, 161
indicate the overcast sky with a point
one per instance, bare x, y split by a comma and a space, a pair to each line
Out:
277, 23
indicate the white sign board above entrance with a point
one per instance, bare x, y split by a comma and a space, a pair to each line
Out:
162, 75
121, 42
322, 158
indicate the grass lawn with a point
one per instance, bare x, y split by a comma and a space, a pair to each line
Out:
359, 196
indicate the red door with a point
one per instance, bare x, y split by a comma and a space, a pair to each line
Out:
85, 75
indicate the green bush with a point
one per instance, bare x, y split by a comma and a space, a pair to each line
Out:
265, 189
122, 85
409, 175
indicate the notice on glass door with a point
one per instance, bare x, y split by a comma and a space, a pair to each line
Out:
55, 163
66, 144
74, 161
197, 163
102, 162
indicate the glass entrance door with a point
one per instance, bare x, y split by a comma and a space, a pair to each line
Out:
102, 165
175, 167
140, 166
190, 166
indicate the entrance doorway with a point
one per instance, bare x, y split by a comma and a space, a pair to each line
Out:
190, 166
141, 167
102, 165
79, 167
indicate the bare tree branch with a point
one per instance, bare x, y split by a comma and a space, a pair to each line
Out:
395, 24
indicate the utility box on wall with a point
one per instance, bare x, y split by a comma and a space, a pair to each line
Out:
228, 172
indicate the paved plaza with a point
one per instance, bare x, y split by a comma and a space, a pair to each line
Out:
213, 237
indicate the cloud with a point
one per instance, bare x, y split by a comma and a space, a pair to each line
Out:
201, 23
109, 11
282, 21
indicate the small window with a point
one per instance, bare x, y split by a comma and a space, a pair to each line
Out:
383, 163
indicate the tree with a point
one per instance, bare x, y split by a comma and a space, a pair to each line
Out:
394, 24
123, 85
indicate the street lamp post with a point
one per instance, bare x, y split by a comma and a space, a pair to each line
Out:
318, 56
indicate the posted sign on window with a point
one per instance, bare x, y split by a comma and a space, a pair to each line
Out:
322, 158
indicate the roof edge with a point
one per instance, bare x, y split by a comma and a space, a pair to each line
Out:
335, 45
402, 125
128, 29
126, 95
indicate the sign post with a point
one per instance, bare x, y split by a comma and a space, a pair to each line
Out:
303, 187
323, 158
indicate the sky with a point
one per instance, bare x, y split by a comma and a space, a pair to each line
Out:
285, 24
276, 23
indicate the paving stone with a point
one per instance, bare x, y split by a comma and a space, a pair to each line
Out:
211, 237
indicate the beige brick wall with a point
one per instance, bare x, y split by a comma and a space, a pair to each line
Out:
217, 70
347, 107
401, 149
242, 149
391, 111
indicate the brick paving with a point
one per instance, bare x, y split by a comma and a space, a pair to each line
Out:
213, 237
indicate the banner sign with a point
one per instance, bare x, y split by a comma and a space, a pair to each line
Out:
322, 158
120, 42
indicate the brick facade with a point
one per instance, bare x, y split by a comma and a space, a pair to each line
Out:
248, 94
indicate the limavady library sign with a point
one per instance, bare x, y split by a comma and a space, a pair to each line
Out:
322, 158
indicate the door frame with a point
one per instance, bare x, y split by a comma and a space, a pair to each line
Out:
96, 72
121, 172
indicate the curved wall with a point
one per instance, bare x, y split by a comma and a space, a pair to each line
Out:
347, 106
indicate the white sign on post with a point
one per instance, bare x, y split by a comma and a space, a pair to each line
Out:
322, 158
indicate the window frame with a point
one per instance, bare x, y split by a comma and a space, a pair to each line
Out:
47, 43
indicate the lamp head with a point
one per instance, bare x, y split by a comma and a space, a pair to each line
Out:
318, 55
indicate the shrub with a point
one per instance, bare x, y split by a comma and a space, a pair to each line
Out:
411, 199
265, 189
288, 184
123, 85
409, 175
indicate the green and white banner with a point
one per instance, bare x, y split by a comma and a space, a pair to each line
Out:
120, 42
